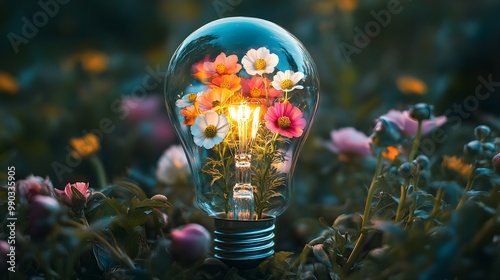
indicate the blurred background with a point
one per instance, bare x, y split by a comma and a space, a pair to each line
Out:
72, 67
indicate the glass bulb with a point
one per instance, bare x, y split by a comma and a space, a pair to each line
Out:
241, 94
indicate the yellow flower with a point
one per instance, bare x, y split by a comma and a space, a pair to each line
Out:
86, 146
457, 165
8, 83
411, 85
391, 153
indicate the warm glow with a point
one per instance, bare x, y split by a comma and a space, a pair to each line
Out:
243, 115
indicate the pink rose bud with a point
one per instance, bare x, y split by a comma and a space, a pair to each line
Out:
77, 200
190, 243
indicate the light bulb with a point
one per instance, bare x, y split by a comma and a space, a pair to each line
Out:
241, 94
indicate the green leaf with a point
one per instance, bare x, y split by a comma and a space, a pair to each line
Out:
149, 203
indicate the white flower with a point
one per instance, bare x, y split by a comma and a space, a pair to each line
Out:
187, 100
173, 166
259, 61
209, 129
287, 81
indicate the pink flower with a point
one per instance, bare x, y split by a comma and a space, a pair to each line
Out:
34, 185
409, 126
190, 243
67, 193
222, 65
348, 142
285, 119
258, 87
138, 110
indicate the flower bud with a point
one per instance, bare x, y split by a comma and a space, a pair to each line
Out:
489, 149
481, 132
160, 197
75, 195
43, 214
190, 243
495, 161
385, 133
405, 170
473, 148
423, 162
481, 171
421, 111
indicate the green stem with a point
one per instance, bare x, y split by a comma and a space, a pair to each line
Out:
402, 200
99, 170
302, 257
416, 142
115, 252
371, 189
463, 199
357, 247
435, 208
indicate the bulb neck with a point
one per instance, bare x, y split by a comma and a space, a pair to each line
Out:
243, 244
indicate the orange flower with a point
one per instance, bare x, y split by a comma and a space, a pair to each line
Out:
190, 113
457, 165
411, 85
230, 82
391, 153
8, 83
347, 5
212, 99
94, 61
86, 146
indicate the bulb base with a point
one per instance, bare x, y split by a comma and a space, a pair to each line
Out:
243, 244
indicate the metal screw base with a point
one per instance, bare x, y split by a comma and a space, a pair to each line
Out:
243, 244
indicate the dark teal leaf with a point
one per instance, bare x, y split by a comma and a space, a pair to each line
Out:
103, 257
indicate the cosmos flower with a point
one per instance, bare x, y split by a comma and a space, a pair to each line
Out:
209, 129
287, 81
173, 166
349, 143
230, 82
285, 119
409, 126
222, 65
260, 61
186, 100
190, 113
214, 98
256, 88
